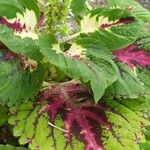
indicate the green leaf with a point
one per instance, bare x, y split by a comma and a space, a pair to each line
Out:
17, 6
145, 146
38, 129
25, 46
31, 5
78, 7
3, 114
127, 85
22, 11
133, 6
13, 6
144, 76
109, 40
144, 39
100, 71
17, 84
9, 147
116, 35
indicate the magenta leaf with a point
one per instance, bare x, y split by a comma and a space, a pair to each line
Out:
133, 56
72, 118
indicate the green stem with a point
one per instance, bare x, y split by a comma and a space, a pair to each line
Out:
70, 38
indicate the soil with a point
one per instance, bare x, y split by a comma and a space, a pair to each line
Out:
6, 136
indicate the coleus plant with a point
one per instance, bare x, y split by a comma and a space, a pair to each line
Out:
99, 97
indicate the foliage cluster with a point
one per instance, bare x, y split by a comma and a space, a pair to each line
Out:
61, 90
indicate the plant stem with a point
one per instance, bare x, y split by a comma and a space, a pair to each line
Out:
71, 37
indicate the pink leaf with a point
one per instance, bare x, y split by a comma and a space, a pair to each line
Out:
133, 56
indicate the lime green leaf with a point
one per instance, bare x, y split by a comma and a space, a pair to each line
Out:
9, 147
60, 121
